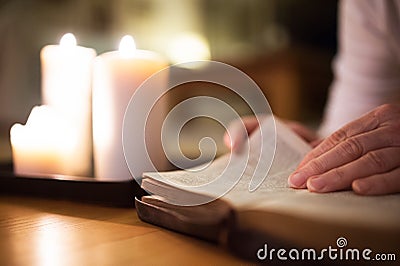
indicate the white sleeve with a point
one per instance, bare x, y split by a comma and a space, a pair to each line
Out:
367, 67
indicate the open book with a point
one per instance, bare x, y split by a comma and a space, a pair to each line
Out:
260, 208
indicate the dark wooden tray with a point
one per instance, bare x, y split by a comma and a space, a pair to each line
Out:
81, 189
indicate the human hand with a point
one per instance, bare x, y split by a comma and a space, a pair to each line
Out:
237, 135
363, 155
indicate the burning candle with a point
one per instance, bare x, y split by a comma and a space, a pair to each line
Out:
66, 87
117, 75
45, 145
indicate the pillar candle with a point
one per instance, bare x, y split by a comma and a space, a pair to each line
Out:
45, 145
66, 87
117, 75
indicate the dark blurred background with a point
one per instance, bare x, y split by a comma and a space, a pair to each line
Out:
286, 46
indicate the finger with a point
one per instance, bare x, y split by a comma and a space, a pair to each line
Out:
236, 134
227, 140
315, 143
304, 132
380, 116
366, 123
374, 162
379, 184
349, 150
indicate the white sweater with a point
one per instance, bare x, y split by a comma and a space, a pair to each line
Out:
367, 66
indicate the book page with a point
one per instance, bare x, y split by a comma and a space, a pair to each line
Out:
243, 170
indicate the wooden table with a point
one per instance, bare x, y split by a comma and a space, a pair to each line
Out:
51, 232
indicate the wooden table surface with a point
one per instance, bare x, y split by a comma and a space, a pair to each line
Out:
51, 232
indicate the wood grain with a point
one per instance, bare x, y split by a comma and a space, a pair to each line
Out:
50, 232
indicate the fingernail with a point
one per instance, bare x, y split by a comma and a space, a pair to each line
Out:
297, 180
316, 184
361, 187
227, 141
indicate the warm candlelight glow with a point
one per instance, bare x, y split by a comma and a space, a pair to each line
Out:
66, 87
188, 47
39, 128
116, 76
43, 126
127, 46
68, 40
45, 145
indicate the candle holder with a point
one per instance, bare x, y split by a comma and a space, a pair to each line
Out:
117, 193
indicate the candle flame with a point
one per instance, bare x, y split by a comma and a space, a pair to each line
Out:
127, 46
68, 40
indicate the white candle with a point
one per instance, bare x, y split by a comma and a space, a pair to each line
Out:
66, 86
117, 75
45, 145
